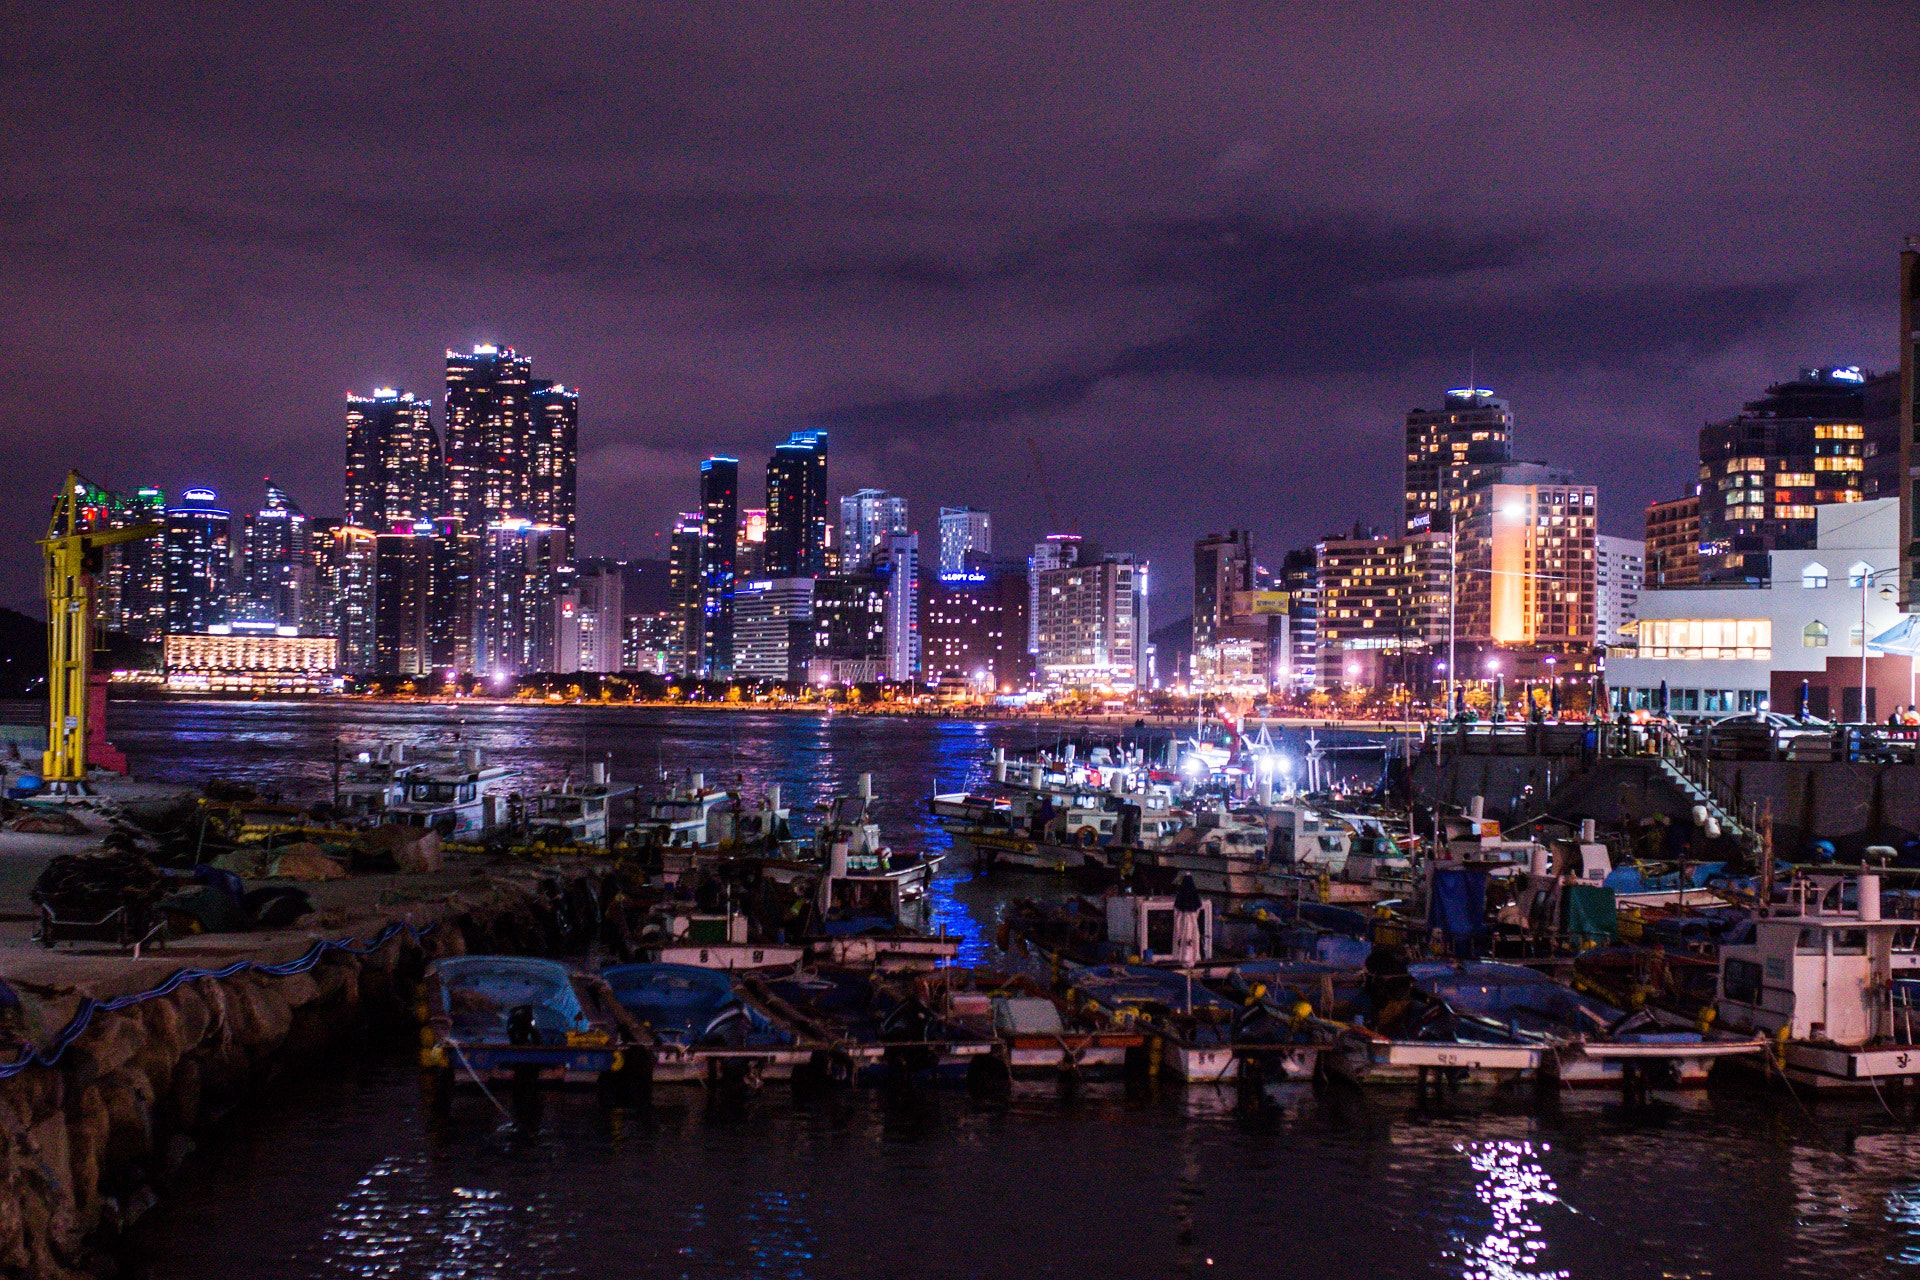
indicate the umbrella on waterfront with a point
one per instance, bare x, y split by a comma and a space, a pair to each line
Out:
1806, 698
1499, 698
1186, 930
1663, 697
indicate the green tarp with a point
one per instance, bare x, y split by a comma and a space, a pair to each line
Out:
1589, 914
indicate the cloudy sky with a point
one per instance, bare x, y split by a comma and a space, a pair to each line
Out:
1203, 256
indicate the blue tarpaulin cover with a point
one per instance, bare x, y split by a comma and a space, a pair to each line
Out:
1458, 904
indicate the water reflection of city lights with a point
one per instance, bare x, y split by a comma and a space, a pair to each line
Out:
1513, 1183
1903, 1209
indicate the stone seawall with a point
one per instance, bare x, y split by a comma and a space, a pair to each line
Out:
91, 1140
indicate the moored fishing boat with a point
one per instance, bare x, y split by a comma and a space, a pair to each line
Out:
704, 1025
525, 1022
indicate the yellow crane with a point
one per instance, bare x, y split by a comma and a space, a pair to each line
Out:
73, 557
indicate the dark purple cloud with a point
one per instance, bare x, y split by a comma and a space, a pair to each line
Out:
1205, 256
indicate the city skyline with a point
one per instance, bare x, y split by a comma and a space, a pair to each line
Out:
937, 264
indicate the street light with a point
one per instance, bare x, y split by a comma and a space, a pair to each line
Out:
1867, 574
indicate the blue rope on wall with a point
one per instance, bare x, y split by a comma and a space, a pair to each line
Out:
30, 1056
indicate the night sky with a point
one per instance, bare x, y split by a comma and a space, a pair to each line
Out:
1205, 256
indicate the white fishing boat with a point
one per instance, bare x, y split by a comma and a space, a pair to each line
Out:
456, 799
1835, 985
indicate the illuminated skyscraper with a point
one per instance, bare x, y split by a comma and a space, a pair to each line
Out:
963, 529
489, 429
199, 562
1452, 448
866, 518
394, 469
133, 579
719, 547
1055, 551
797, 517
553, 457
684, 593
280, 567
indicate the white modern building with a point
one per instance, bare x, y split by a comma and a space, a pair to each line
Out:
903, 606
1055, 551
963, 529
1620, 570
1093, 625
773, 628
867, 517
1725, 649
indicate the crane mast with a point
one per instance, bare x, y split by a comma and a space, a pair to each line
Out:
73, 554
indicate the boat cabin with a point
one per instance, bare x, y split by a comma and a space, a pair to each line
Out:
1145, 927
1306, 836
455, 799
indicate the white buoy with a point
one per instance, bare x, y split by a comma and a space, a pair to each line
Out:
1699, 815
1589, 831
1037, 777
773, 797
599, 773
866, 786
699, 783
1538, 862
1477, 807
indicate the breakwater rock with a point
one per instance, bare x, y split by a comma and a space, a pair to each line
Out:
121, 1061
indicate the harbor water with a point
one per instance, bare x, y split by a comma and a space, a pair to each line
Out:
345, 1175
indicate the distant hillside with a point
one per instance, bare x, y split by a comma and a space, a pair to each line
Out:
23, 655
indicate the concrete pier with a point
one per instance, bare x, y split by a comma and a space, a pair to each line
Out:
91, 1137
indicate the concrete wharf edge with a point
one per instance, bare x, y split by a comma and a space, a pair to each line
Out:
88, 1145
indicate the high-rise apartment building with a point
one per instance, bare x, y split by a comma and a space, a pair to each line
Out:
199, 562
1299, 657
773, 628
403, 603
427, 615
1236, 626
849, 629
964, 530
350, 564
280, 570
133, 576
1524, 572
488, 436
974, 625
798, 521
520, 561
1827, 436
394, 466
899, 561
684, 593
1093, 624
1673, 542
1055, 551
750, 547
866, 518
1619, 569
719, 552
589, 620
553, 457
1381, 609
1452, 448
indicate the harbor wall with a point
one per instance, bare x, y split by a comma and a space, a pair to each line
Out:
92, 1140
1851, 805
